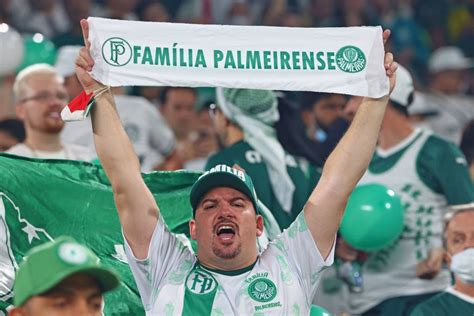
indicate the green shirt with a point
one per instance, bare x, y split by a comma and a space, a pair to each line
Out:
447, 303
303, 175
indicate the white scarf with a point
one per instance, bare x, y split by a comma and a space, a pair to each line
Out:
339, 60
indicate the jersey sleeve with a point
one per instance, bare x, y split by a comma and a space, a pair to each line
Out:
443, 167
298, 246
165, 253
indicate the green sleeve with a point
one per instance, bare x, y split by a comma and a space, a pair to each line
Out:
442, 167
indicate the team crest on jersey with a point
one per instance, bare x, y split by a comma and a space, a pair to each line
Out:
262, 290
200, 282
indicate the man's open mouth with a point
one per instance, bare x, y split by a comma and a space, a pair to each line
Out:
225, 231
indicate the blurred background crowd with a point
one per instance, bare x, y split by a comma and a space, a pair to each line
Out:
433, 39
179, 127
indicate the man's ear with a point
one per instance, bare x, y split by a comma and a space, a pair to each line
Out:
192, 229
260, 225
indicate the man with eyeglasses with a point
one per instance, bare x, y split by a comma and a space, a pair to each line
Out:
40, 96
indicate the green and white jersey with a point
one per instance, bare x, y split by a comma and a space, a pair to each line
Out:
282, 281
429, 174
448, 303
304, 176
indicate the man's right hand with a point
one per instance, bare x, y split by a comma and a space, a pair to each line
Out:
84, 63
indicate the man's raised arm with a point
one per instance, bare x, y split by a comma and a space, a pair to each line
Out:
137, 209
345, 166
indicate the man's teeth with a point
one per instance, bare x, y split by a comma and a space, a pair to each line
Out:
225, 229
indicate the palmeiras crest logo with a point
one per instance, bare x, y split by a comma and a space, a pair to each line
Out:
350, 59
116, 51
262, 290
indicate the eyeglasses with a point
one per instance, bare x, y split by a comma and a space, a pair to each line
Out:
212, 110
46, 97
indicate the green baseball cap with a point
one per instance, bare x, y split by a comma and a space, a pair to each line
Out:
47, 265
223, 176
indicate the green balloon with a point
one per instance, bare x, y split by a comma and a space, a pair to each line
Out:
373, 219
318, 311
37, 49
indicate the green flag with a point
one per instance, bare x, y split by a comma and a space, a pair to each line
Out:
41, 200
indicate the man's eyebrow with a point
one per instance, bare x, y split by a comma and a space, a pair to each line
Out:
95, 294
59, 291
66, 291
208, 199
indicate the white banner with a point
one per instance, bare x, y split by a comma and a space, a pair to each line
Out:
339, 60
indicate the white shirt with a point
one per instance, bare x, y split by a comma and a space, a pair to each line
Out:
69, 152
283, 280
151, 137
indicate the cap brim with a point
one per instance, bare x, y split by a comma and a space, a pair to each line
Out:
466, 64
107, 280
218, 179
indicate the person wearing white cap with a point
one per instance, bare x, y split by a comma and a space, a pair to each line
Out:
153, 140
428, 173
444, 108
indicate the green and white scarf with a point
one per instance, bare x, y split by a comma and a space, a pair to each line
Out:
339, 60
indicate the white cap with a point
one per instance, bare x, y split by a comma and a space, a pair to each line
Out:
66, 61
403, 87
448, 58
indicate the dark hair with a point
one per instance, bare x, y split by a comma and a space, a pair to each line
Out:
308, 99
164, 93
14, 128
467, 142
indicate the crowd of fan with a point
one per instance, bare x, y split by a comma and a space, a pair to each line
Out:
430, 38
179, 127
